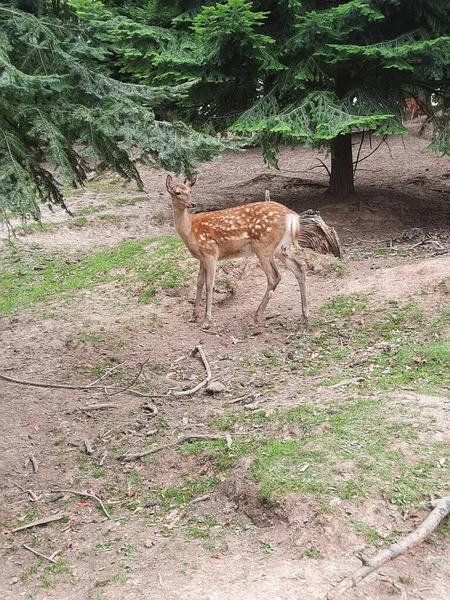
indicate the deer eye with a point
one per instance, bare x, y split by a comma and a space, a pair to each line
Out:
178, 193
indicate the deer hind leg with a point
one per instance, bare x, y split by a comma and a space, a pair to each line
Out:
297, 267
209, 266
273, 279
198, 297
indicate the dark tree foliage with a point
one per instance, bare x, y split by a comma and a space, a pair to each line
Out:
293, 72
59, 105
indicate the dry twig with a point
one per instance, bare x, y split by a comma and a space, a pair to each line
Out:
86, 495
141, 368
198, 349
95, 407
440, 511
183, 440
108, 372
44, 521
30, 492
49, 558
34, 463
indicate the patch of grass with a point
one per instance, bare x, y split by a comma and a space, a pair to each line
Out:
89, 465
364, 433
90, 210
200, 527
338, 268
129, 550
28, 278
312, 552
130, 201
372, 535
267, 547
183, 494
346, 305
424, 364
77, 222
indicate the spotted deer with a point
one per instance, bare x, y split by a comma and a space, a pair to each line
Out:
266, 229
414, 108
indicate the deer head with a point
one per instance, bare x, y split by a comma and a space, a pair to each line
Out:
181, 192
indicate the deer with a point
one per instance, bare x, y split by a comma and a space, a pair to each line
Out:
415, 108
266, 229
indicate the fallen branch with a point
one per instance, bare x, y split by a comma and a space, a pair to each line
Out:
108, 372
34, 463
59, 386
345, 382
49, 558
102, 460
198, 349
86, 495
440, 511
95, 407
200, 499
183, 440
141, 368
30, 492
44, 521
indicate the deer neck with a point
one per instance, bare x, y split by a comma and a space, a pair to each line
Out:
182, 221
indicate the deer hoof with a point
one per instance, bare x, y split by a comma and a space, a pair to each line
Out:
193, 319
206, 324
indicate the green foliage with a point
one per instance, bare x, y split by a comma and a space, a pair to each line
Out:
56, 91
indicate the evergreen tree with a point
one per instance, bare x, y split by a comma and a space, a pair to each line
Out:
59, 105
298, 72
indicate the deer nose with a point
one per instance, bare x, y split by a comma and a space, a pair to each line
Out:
192, 203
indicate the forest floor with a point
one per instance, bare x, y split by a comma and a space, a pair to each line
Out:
326, 441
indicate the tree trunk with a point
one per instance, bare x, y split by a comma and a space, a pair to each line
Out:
341, 178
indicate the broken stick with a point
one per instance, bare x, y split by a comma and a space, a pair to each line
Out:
440, 511
198, 349
49, 558
182, 440
86, 495
34, 463
44, 521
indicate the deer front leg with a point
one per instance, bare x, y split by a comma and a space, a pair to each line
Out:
210, 275
198, 297
273, 279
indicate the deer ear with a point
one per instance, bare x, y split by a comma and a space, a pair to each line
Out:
190, 181
169, 183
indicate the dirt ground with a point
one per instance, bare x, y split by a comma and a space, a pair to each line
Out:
402, 203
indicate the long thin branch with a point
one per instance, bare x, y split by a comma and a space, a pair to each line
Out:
85, 494
192, 437
108, 372
440, 511
49, 558
50, 385
43, 521
199, 349
359, 152
134, 380
385, 137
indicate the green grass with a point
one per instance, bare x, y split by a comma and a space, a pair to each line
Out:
372, 436
29, 278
